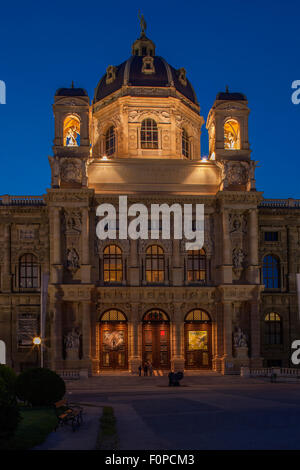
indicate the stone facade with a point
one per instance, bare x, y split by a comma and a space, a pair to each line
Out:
56, 234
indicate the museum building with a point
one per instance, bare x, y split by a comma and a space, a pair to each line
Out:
115, 304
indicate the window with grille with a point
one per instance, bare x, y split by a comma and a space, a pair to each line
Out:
112, 264
271, 236
273, 328
113, 315
155, 315
196, 266
149, 134
28, 272
155, 264
110, 141
198, 315
271, 272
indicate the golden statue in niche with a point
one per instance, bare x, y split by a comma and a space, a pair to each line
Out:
232, 135
71, 131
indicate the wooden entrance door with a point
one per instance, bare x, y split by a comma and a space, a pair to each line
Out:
156, 344
113, 345
197, 345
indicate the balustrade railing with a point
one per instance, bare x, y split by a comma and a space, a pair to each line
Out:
280, 203
7, 200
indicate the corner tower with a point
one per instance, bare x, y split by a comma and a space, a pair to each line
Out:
71, 145
227, 125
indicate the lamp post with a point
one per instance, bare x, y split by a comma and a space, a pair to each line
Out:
37, 342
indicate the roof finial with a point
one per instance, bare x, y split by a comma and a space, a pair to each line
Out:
227, 89
143, 23
72, 84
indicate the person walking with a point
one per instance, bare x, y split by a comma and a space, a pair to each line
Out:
145, 369
150, 369
140, 370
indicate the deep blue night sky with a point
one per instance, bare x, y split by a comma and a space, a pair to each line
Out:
253, 46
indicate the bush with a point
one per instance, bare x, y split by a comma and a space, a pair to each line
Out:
9, 420
107, 438
8, 379
40, 387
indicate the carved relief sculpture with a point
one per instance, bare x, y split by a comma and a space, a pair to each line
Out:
72, 259
72, 344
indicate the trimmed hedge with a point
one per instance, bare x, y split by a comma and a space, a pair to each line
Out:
9, 420
9, 411
8, 379
40, 387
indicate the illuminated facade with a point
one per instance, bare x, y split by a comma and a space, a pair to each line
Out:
116, 304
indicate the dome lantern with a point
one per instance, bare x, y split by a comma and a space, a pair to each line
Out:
143, 46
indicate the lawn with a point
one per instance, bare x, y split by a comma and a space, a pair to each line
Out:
33, 429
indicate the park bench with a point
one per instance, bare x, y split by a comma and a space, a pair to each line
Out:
68, 413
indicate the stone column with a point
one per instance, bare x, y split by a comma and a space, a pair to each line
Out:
56, 271
56, 236
86, 335
133, 340
219, 339
177, 265
134, 270
256, 359
84, 130
56, 335
6, 276
253, 269
227, 334
85, 247
227, 252
292, 260
177, 337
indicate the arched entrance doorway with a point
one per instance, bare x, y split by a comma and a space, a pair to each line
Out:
197, 335
113, 340
156, 339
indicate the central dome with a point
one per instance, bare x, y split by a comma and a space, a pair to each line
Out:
145, 70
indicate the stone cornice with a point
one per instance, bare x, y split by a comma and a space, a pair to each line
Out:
83, 195
248, 197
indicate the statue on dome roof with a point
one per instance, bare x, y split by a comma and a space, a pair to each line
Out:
143, 23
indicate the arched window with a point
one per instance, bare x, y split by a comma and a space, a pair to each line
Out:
185, 144
273, 328
113, 315
71, 132
197, 315
155, 315
112, 264
232, 139
196, 269
149, 134
28, 272
155, 264
110, 141
271, 272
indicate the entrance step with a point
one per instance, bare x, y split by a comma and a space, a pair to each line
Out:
113, 372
